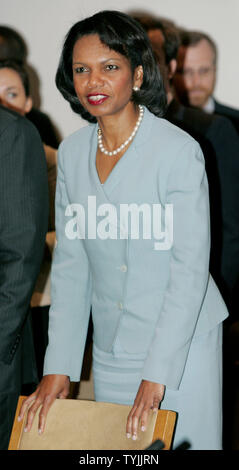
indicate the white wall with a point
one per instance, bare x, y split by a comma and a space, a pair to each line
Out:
43, 24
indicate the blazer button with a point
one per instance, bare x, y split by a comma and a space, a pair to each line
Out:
123, 268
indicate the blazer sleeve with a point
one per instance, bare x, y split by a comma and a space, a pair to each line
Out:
189, 264
71, 293
23, 226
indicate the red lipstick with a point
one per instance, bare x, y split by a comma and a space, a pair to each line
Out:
96, 98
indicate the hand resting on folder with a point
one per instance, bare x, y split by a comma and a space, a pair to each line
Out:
55, 386
51, 387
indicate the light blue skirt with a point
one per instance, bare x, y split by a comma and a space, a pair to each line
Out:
198, 402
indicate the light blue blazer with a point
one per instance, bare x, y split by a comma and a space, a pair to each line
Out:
153, 300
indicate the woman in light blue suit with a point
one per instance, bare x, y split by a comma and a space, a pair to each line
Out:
133, 243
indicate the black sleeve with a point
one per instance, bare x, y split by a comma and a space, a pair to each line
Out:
226, 145
23, 226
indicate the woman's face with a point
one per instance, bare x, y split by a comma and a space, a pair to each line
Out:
103, 78
12, 92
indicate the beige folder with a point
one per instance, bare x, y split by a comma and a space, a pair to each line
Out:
89, 425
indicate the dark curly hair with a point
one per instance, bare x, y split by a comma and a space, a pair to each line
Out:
124, 35
21, 71
12, 45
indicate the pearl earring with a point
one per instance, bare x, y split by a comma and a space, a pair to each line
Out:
136, 88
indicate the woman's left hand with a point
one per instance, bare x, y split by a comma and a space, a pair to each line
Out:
149, 396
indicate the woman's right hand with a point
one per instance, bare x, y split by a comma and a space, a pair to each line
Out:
51, 387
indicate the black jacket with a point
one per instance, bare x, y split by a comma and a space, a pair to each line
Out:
228, 112
220, 144
23, 223
23, 227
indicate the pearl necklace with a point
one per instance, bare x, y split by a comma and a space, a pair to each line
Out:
119, 149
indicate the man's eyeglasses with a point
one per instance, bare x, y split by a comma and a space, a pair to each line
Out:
202, 72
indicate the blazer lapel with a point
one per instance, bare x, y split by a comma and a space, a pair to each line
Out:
107, 193
126, 162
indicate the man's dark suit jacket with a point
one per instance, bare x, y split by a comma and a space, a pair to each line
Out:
23, 227
228, 112
220, 144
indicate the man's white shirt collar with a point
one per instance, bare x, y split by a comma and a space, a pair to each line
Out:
209, 107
